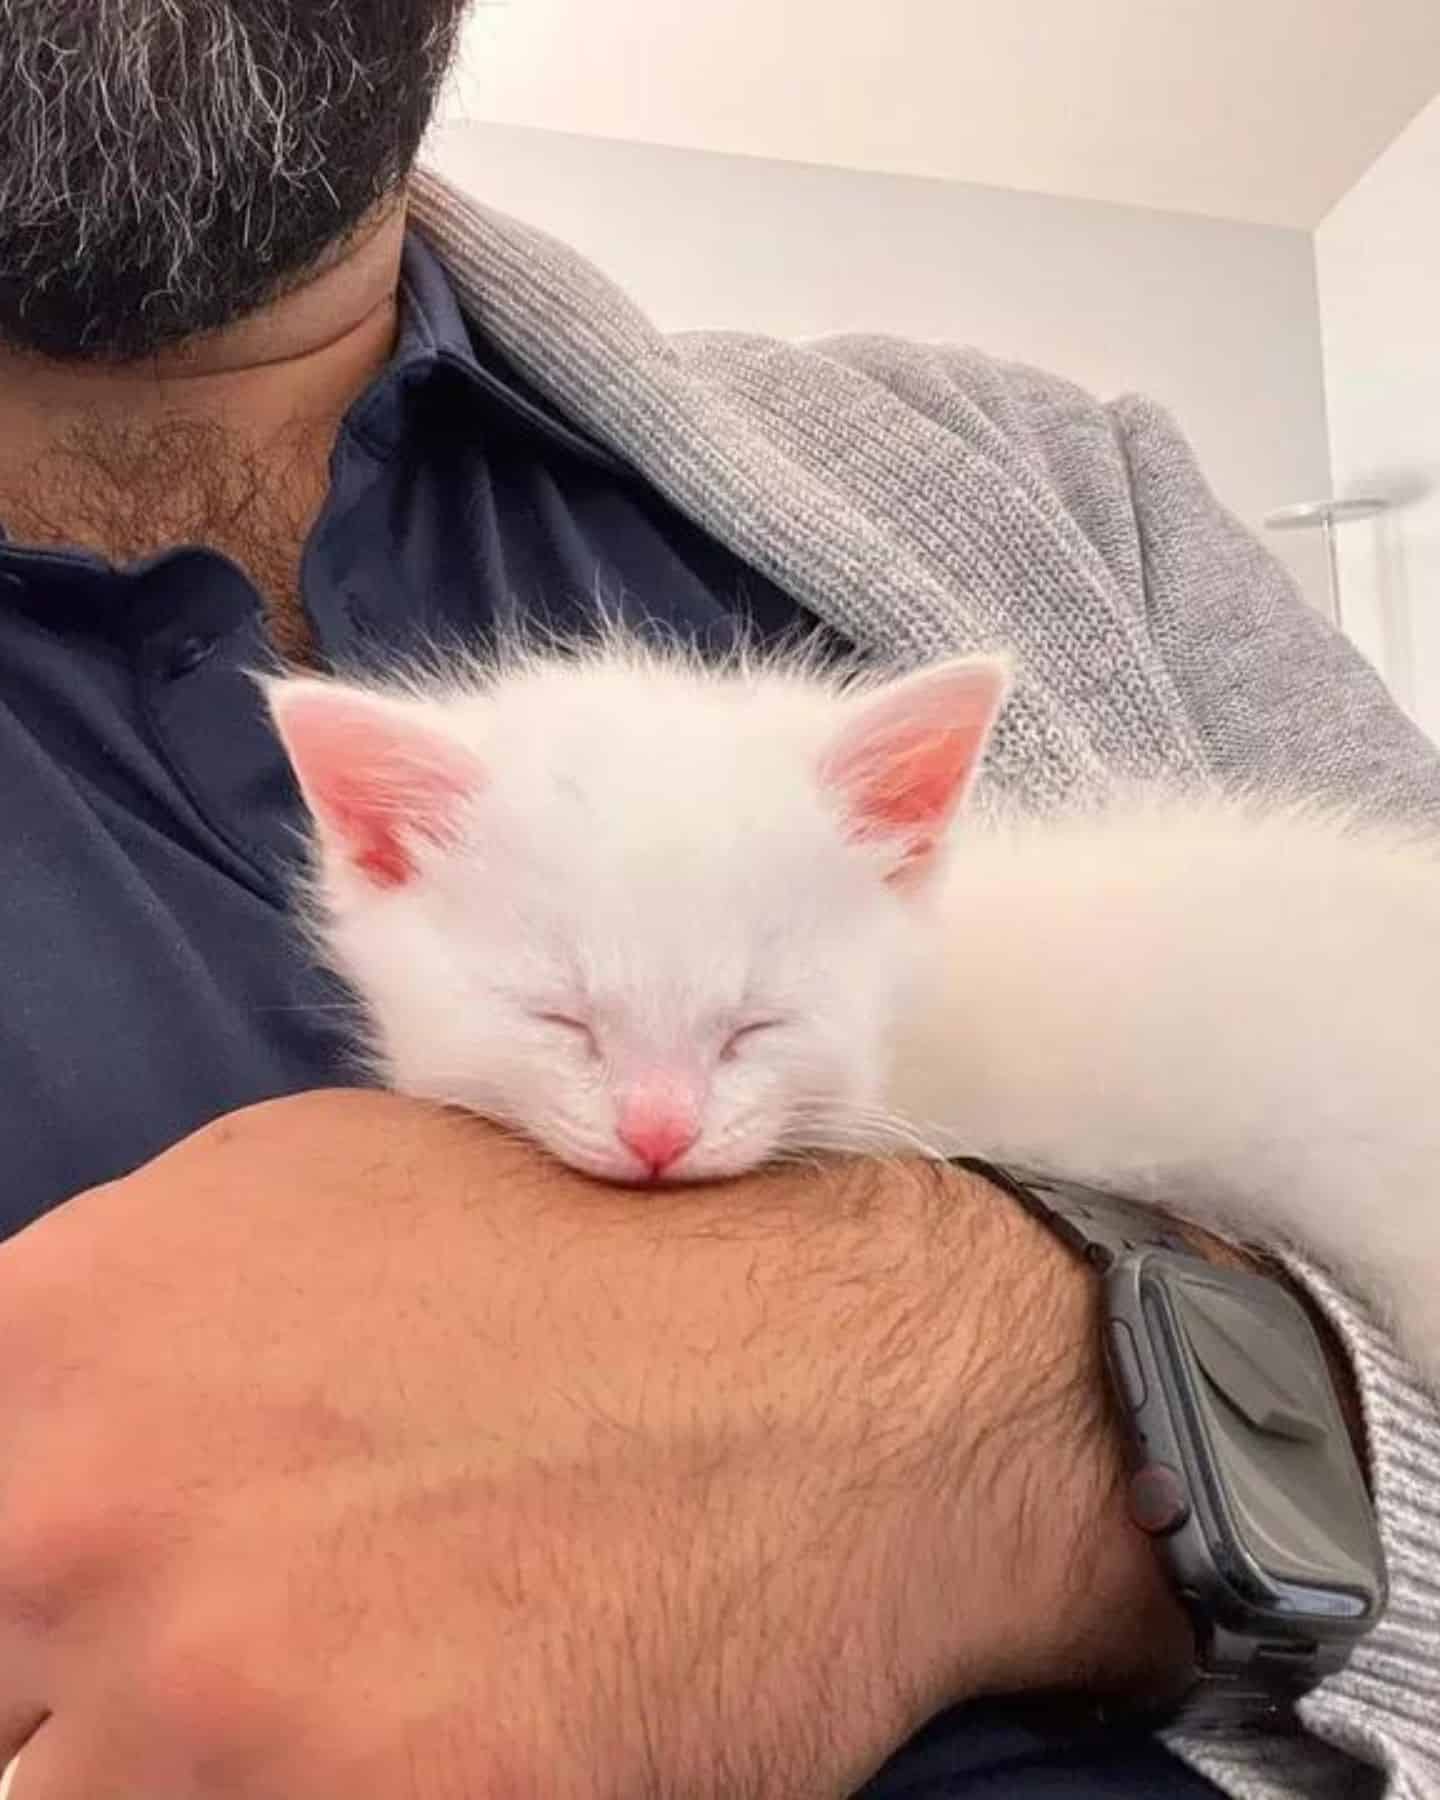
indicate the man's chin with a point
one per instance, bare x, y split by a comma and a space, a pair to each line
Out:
84, 328
167, 169
72, 334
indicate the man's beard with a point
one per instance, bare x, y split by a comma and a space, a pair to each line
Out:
168, 166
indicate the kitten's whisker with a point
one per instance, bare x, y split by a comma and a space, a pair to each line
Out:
865, 1128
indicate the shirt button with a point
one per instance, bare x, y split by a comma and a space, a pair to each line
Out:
188, 655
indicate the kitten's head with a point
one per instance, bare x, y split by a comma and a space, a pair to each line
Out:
656, 917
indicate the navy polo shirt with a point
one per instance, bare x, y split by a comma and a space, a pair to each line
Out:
151, 977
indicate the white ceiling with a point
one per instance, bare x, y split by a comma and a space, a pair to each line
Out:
1250, 109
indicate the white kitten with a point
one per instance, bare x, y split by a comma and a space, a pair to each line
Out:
671, 920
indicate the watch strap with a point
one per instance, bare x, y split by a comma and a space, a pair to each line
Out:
1101, 1227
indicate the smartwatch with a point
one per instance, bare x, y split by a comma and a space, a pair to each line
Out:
1242, 1471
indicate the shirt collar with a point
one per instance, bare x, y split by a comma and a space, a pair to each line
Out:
435, 342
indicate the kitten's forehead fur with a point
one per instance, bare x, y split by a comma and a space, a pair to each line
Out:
552, 705
675, 771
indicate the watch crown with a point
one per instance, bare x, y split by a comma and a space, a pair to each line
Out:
1159, 1499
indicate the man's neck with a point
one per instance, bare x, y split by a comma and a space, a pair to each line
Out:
224, 441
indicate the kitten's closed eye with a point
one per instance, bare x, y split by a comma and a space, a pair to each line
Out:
574, 1028
743, 1034
583, 1034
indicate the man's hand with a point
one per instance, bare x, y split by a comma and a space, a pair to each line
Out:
353, 1449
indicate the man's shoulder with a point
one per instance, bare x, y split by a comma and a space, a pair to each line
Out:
1062, 445
939, 379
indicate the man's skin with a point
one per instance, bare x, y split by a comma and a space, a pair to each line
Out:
351, 1449
223, 441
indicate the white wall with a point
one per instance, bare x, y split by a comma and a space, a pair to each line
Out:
1378, 258
1264, 110
1217, 320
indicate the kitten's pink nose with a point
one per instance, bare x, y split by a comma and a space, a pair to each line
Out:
658, 1126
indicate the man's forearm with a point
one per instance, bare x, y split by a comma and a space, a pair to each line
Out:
900, 1461
464, 1474
944, 1353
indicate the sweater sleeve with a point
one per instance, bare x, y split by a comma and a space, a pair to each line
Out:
1281, 700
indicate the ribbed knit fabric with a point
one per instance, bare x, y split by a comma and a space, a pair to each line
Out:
923, 500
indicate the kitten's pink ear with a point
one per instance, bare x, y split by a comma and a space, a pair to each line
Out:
379, 780
905, 761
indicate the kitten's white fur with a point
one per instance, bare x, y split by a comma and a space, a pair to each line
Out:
1227, 1006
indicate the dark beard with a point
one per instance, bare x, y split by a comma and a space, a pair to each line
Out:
168, 166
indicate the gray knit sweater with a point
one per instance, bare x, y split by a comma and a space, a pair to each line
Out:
925, 499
